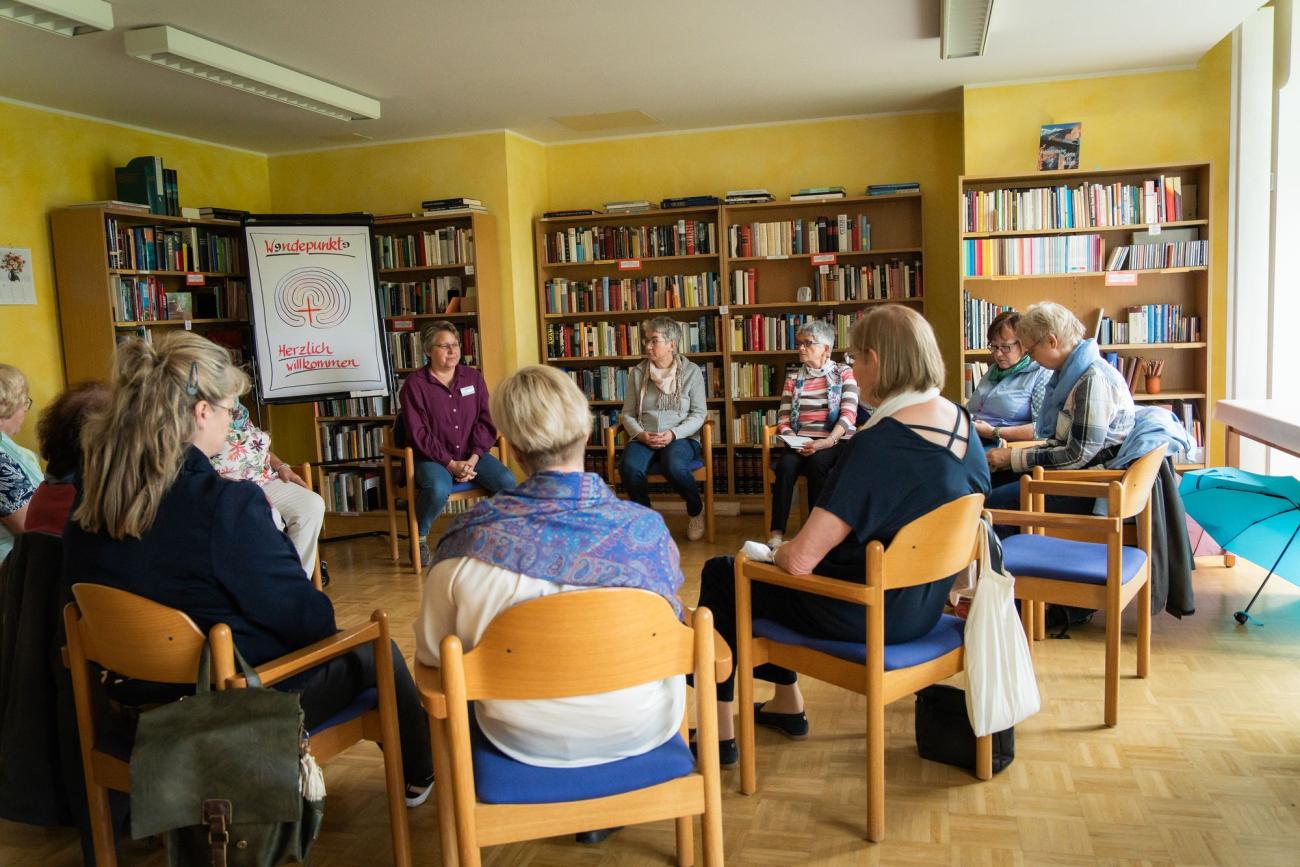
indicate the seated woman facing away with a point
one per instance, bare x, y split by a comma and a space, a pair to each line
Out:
819, 401
246, 456
20, 472
58, 433
915, 453
560, 530
155, 519
663, 411
445, 419
1087, 409
1010, 394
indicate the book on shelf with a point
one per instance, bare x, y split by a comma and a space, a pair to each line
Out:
209, 212
180, 305
891, 189
116, 204
420, 297
603, 339
685, 237
571, 212
817, 194
745, 197
453, 204
1151, 254
1097, 319
1083, 206
978, 315
613, 294
972, 373
447, 245
1032, 256
689, 202
171, 192
838, 233
635, 206
142, 180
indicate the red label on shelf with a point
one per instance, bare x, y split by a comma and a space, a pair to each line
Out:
402, 325
1121, 278
629, 264
824, 259
192, 279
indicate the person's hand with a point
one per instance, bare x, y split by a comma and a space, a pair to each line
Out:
461, 471
285, 473
643, 438
659, 440
816, 445
984, 429
999, 459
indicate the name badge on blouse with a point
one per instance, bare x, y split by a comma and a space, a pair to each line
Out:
467, 391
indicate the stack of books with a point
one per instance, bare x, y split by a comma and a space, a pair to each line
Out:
458, 203
689, 202
146, 181
891, 189
631, 206
749, 197
212, 213
572, 212
817, 194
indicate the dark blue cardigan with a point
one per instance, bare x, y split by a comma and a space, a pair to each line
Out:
215, 553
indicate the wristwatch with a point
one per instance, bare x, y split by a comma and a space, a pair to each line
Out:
997, 433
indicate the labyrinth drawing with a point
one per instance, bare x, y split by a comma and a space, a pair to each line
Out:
312, 297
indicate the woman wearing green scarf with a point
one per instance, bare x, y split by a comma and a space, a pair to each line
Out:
20, 472
1007, 399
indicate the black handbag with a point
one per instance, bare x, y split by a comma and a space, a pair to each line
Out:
220, 775
944, 733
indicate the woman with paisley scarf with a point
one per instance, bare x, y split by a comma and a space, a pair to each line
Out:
819, 401
561, 529
663, 411
1008, 397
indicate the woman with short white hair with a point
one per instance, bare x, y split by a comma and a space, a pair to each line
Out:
1087, 409
561, 529
20, 471
819, 401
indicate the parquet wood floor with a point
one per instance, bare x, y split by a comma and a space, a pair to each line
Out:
1204, 767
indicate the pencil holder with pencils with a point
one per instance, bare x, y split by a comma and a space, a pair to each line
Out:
1154, 370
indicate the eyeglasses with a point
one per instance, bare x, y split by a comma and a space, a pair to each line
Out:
230, 410
653, 341
805, 344
1003, 347
446, 347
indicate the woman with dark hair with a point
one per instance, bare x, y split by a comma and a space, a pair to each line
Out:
1007, 399
58, 434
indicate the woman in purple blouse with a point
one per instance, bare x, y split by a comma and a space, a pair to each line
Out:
445, 419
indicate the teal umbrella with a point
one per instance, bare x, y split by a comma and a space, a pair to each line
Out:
1253, 516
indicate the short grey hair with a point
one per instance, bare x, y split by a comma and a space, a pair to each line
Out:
13, 390
818, 331
1048, 317
429, 334
666, 328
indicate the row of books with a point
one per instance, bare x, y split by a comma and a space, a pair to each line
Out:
353, 492
368, 407
351, 441
608, 382
437, 295
749, 471
747, 427
146, 181
1140, 257
449, 245
897, 278
147, 299
1061, 254
154, 248
978, 314
605, 339
608, 294
841, 233
1156, 200
971, 374
1150, 323
750, 379
599, 243
407, 350
1129, 366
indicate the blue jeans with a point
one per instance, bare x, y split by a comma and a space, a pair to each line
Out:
673, 461
434, 485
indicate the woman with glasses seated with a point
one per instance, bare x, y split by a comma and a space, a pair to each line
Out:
820, 402
446, 421
20, 472
663, 411
1007, 399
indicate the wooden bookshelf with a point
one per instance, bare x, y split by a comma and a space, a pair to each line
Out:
1186, 375
895, 237
99, 295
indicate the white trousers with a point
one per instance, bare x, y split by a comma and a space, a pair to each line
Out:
303, 513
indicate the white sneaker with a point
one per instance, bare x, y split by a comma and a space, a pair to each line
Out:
695, 528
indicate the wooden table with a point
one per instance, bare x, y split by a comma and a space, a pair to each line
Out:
1274, 423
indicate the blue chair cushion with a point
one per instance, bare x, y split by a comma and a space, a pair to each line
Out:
946, 636
499, 779
1065, 559
367, 699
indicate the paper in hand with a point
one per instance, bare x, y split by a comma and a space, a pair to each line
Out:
757, 551
794, 441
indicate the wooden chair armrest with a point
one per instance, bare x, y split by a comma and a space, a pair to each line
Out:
1055, 521
1024, 444
312, 655
428, 680
1083, 475
818, 585
393, 452
1068, 488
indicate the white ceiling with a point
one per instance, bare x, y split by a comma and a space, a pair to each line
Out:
442, 67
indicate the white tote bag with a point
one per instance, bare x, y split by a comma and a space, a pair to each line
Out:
1001, 689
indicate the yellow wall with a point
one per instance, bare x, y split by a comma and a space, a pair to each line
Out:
1128, 120
527, 184
50, 160
783, 158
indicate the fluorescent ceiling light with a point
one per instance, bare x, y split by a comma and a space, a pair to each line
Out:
963, 27
206, 59
64, 17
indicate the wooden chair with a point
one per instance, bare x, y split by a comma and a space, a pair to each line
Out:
769, 479
1104, 573
143, 640
399, 483
304, 472
930, 548
703, 469
547, 648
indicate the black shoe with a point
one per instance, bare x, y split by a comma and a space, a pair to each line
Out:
593, 837
426, 556
792, 725
324, 575
728, 751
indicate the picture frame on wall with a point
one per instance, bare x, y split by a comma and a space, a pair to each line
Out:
1058, 146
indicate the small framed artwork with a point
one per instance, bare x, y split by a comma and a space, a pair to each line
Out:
1058, 146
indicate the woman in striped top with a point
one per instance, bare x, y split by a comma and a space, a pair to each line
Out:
819, 401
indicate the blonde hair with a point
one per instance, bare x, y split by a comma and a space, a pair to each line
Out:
543, 415
1048, 317
432, 330
905, 346
133, 451
13, 390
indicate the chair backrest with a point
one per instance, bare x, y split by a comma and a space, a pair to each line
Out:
937, 544
545, 648
1139, 478
141, 639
